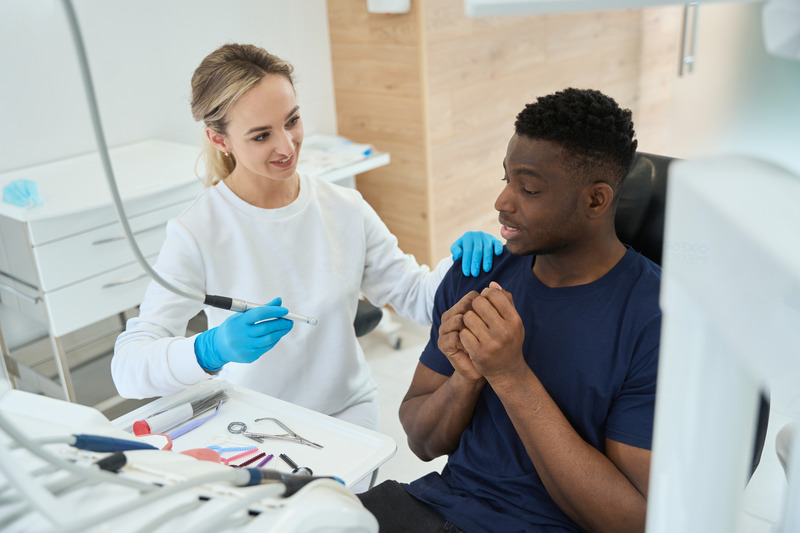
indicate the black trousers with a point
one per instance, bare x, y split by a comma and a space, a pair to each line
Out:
399, 512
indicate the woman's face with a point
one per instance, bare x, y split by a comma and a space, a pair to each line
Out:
265, 131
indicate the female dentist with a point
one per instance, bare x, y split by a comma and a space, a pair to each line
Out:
260, 230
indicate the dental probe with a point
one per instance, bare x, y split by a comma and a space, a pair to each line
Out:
234, 304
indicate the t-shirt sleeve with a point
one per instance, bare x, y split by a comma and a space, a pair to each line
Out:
393, 277
630, 420
431, 356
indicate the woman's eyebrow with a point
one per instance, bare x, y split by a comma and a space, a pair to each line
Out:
266, 128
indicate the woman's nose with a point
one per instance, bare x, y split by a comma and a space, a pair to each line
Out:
285, 144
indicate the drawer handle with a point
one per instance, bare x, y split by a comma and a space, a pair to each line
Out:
122, 237
18, 293
124, 281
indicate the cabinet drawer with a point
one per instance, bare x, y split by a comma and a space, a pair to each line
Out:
83, 303
52, 228
87, 254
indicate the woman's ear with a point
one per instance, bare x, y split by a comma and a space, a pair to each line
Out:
217, 140
601, 196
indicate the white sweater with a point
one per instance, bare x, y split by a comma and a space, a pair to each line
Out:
320, 253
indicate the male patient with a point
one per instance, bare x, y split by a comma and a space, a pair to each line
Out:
539, 379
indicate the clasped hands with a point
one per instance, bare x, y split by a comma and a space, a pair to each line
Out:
482, 336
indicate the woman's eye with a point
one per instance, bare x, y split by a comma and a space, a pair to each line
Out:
293, 121
261, 137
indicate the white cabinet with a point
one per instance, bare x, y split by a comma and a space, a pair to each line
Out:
67, 264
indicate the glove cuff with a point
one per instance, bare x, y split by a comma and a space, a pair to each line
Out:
205, 353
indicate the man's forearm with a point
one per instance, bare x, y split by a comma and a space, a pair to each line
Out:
434, 421
584, 483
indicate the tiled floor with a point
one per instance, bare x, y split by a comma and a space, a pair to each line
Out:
393, 369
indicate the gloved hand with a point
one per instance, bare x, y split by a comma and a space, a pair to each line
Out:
474, 247
243, 337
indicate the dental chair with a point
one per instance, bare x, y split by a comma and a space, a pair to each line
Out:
639, 223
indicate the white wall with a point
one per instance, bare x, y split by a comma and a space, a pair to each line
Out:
142, 54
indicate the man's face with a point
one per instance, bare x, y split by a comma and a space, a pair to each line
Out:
539, 207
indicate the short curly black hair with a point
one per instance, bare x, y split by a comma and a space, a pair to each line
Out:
597, 134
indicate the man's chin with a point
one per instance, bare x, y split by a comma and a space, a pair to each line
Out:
523, 249
517, 248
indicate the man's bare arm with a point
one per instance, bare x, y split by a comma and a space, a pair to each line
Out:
437, 408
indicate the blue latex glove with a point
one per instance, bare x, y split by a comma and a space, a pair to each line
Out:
243, 337
476, 247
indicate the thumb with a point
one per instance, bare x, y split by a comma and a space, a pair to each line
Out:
266, 312
495, 285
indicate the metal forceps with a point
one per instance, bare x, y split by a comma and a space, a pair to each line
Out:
241, 428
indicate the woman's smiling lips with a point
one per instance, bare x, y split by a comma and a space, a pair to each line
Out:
283, 163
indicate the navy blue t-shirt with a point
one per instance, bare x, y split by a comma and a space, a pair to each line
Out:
594, 347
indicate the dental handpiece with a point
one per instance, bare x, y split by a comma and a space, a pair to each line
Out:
234, 304
310, 320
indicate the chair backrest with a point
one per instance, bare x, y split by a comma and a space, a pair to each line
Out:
642, 205
639, 222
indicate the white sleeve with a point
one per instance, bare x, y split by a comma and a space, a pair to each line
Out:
152, 357
394, 277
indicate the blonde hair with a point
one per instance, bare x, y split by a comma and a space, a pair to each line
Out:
221, 79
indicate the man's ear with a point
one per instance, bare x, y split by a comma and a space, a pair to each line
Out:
217, 140
601, 196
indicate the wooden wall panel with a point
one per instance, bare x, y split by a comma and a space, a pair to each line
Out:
440, 91
379, 100
380, 119
480, 74
468, 60
386, 69
658, 74
575, 34
349, 22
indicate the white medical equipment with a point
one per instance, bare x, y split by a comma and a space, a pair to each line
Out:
222, 302
55, 487
731, 303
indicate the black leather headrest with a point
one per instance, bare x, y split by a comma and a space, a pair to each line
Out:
639, 220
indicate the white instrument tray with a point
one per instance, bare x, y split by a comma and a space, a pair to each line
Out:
349, 452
